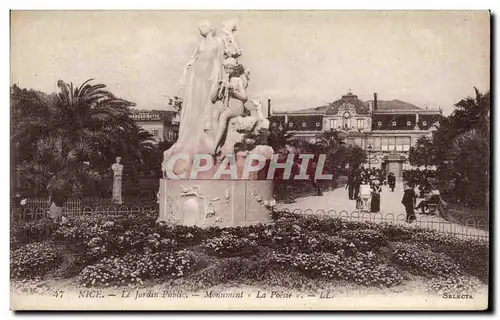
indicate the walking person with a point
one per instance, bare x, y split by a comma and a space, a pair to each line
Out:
375, 202
350, 184
409, 201
391, 180
357, 183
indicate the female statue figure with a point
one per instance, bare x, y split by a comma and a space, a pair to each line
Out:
201, 81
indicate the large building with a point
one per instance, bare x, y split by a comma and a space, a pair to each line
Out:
385, 129
161, 124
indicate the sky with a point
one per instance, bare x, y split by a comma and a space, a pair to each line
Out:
298, 59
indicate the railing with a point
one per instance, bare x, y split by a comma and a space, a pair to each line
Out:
478, 229
471, 228
32, 214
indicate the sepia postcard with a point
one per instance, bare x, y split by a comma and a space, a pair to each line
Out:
250, 160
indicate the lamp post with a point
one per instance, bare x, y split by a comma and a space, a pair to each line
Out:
369, 152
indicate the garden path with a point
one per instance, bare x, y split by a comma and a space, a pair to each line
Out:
337, 203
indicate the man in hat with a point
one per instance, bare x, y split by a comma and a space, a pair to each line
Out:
409, 201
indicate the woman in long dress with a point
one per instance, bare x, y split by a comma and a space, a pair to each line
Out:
375, 203
201, 82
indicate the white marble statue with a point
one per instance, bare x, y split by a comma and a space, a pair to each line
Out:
201, 83
117, 168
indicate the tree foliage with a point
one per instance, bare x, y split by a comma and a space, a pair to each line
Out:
74, 134
423, 153
462, 149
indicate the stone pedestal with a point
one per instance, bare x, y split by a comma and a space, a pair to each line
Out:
222, 203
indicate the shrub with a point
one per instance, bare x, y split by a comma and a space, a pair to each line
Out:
25, 232
360, 268
34, 260
135, 268
396, 232
423, 261
185, 236
470, 254
228, 245
241, 269
365, 240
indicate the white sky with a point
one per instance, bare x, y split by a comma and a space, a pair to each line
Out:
299, 59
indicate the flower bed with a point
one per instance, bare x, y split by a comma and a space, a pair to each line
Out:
130, 249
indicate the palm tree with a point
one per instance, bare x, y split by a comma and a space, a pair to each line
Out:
56, 134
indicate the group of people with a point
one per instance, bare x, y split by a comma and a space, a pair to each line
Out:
420, 178
365, 186
431, 204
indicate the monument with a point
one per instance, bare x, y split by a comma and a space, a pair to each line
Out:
117, 168
209, 174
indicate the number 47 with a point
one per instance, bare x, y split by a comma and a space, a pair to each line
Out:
59, 294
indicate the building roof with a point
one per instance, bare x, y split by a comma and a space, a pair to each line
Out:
395, 105
363, 107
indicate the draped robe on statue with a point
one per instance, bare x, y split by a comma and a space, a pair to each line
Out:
199, 82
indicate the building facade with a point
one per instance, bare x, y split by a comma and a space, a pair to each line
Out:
385, 129
162, 125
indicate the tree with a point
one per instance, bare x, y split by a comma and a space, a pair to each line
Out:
279, 138
423, 153
73, 135
461, 146
354, 156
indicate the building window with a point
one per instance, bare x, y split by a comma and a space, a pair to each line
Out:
408, 123
376, 144
384, 144
399, 143
290, 124
333, 123
392, 143
379, 123
361, 123
394, 123
155, 132
406, 143
369, 142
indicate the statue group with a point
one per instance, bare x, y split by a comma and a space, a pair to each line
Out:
218, 120
214, 86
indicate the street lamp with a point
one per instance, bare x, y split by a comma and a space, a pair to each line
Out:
369, 151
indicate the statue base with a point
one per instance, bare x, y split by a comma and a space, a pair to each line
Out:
221, 203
